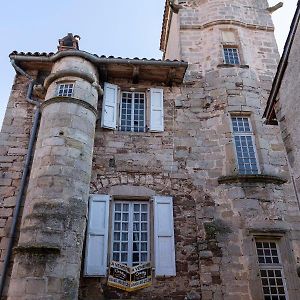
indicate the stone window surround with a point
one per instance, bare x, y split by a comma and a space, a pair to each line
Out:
137, 194
283, 238
274, 264
62, 82
254, 141
235, 57
231, 44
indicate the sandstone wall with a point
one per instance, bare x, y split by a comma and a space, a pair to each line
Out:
14, 140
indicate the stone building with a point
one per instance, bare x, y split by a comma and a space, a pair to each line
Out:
166, 162
283, 103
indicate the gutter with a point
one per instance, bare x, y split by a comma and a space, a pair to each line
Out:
26, 170
97, 60
282, 66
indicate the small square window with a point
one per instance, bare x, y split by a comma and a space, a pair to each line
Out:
231, 55
65, 90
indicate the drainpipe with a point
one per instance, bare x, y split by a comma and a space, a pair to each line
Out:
33, 134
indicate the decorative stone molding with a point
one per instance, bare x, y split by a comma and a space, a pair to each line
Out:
253, 178
70, 100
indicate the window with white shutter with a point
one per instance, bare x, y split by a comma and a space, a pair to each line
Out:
109, 108
164, 245
156, 110
130, 233
126, 110
97, 236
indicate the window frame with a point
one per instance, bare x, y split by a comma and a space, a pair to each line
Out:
119, 105
271, 266
252, 135
150, 237
64, 83
229, 46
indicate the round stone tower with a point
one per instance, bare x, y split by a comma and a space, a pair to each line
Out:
48, 255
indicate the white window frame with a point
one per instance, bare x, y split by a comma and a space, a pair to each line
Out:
130, 230
244, 133
145, 128
231, 47
271, 266
61, 86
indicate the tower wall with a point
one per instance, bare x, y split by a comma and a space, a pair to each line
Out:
48, 256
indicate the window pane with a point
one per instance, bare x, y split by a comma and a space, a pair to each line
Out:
244, 145
132, 113
131, 251
271, 278
65, 90
231, 56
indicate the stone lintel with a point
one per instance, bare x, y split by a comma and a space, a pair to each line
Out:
251, 178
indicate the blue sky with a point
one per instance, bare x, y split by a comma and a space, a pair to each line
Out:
116, 27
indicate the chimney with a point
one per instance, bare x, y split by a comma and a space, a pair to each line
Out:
69, 42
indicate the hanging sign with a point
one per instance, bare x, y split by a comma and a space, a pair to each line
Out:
127, 278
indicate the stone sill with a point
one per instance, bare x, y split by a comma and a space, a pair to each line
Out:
251, 178
232, 66
37, 249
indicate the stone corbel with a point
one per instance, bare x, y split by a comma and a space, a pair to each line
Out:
273, 8
175, 7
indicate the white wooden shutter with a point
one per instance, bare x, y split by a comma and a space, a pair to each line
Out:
164, 245
97, 236
156, 110
109, 106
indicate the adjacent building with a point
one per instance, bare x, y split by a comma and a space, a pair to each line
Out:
160, 162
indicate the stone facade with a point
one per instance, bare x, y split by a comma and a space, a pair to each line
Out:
218, 212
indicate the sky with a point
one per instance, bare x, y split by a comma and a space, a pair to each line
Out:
114, 27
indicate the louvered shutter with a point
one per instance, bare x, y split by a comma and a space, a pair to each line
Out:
109, 106
97, 236
164, 245
156, 110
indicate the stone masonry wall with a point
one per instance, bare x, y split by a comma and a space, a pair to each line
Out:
288, 109
14, 140
214, 224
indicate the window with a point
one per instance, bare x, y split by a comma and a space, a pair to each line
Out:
244, 145
132, 112
271, 271
231, 55
65, 89
132, 107
130, 234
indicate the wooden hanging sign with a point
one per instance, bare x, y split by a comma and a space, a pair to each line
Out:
129, 278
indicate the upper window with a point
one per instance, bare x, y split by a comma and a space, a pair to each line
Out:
133, 241
244, 145
65, 89
132, 112
231, 55
271, 270
126, 111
